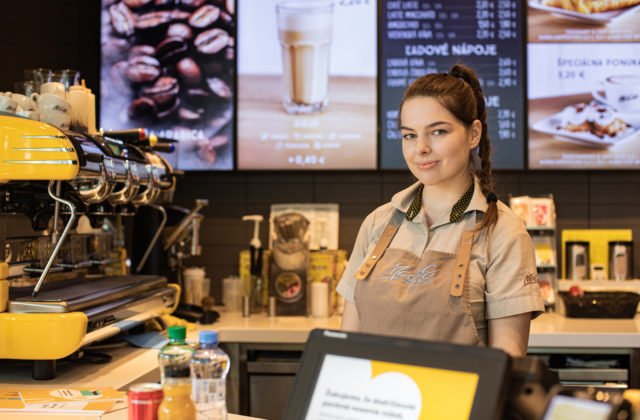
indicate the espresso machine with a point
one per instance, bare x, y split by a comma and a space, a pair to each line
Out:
65, 280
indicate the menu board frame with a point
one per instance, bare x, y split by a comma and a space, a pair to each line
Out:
521, 120
549, 115
213, 134
374, 128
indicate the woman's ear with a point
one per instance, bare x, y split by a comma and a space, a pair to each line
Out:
475, 134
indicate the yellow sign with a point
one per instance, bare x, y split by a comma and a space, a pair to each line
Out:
598, 244
446, 394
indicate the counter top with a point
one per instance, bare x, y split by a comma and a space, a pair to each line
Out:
548, 330
554, 330
260, 328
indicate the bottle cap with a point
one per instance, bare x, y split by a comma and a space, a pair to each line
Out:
208, 337
177, 332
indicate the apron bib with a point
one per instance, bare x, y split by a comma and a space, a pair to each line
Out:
427, 297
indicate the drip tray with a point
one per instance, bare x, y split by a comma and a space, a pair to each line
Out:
86, 294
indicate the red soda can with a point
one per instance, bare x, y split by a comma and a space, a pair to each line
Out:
144, 400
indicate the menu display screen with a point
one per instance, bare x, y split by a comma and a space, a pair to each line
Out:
307, 84
418, 38
584, 85
169, 67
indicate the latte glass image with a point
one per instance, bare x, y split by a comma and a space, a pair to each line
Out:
304, 31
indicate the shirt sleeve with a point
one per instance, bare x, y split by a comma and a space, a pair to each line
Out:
347, 285
511, 276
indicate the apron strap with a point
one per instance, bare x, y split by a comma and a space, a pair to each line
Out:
381, 246
462, 263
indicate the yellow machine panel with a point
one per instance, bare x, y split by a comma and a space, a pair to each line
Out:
41, 336
35, 151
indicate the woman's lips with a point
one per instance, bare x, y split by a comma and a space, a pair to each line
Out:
426, 165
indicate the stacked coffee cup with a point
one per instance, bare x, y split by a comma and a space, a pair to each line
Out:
42, 97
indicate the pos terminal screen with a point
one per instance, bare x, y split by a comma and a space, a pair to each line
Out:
374, 389
419, 37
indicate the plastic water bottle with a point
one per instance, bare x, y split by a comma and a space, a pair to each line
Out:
209, 368
174, 356
175, 375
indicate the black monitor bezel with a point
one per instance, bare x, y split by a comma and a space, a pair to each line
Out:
490, 364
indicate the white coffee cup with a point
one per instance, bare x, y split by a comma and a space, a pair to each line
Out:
34, 115
621, 91
58, 119
54, 88
23, 101
7, 104
49, 102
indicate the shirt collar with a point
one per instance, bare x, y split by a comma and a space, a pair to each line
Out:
402, 200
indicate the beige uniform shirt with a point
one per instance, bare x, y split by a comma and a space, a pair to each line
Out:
502, 271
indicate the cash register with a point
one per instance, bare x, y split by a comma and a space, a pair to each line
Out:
65, 280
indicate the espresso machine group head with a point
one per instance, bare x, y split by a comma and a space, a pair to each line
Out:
70, 285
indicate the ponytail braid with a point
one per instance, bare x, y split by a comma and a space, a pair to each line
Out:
485, 175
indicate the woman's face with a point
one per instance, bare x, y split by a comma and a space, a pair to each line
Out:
435, 144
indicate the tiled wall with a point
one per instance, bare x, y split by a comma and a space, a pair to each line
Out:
583, 200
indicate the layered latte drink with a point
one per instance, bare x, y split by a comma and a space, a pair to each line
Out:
304, 31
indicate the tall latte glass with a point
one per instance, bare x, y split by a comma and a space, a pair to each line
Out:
304, 30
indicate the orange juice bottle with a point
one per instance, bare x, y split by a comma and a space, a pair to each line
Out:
177, 404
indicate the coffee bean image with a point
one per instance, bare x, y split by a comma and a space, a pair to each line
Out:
171, 49
212, 41
165, 4
163, 91
152, 25
180, 30
142, 109
122, 19
180, 16
118, 78
191, 4
187, 114
197, 98
169, 110
189, 71
219, 87
169, 64
138, 50
137, 4
115, 49
204, 16
143, 69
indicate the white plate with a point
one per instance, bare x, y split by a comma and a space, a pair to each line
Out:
549, 125
595, 18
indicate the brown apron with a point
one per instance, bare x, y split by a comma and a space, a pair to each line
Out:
427, 297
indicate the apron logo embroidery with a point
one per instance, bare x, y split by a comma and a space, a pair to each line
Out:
405, 274
530, 279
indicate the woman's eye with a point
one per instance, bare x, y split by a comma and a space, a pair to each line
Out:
408, 136
439, 132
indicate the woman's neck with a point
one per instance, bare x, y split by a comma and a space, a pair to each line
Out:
437, 200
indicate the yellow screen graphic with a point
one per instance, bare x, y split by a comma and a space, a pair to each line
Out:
445, 394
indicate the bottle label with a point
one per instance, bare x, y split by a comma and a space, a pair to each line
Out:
209, 390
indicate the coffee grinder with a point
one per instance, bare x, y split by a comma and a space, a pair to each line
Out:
289, 261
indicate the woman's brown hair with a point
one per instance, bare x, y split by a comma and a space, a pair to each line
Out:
460, 93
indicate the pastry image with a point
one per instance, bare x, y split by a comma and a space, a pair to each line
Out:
593, 118
590, 6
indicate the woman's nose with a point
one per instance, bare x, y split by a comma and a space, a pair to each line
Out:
422, 145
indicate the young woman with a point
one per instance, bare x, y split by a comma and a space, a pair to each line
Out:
444, 260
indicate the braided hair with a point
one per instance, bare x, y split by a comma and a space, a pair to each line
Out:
460, 93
